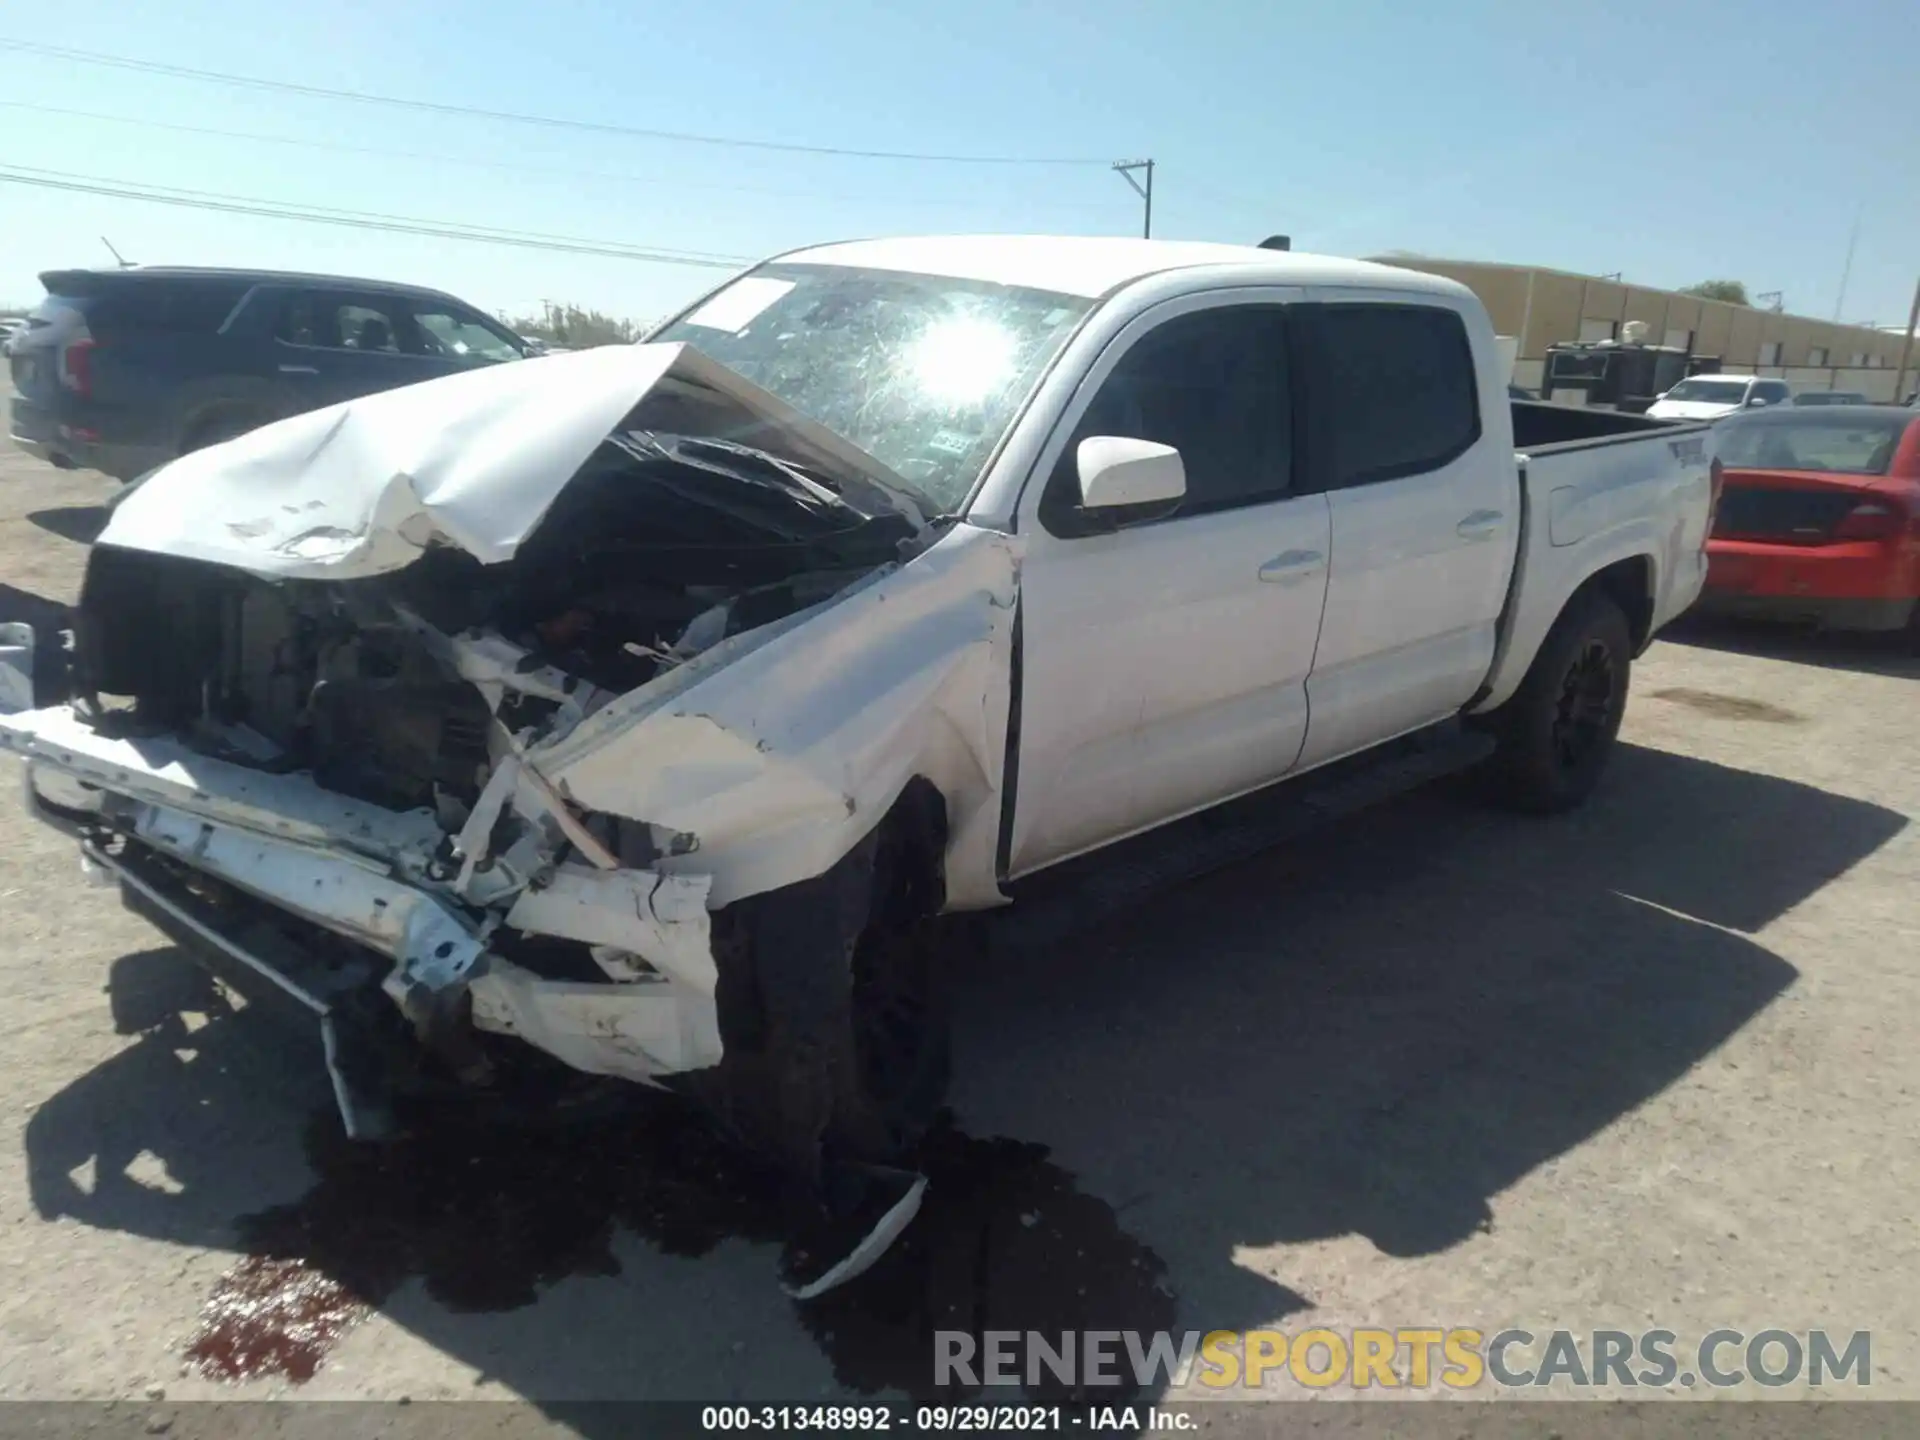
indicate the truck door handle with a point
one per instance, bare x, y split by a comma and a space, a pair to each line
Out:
1290, 567
299, 370
1479, 525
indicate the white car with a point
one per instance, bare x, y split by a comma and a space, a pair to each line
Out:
1709, 397
650, 716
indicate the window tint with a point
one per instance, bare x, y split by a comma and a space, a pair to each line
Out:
340, 322
443, 333
1214, 385
1393, 389
174, 307
368, 327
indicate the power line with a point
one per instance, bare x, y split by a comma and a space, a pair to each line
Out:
359, 220
310, 207
501, 165
254, 82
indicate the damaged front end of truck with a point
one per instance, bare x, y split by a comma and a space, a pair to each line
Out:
603, 705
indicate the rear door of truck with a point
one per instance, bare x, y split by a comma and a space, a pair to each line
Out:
1407, 432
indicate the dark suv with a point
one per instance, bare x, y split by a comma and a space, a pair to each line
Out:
122, 370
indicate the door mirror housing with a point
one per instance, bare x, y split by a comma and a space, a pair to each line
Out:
1757, 402
1117, 471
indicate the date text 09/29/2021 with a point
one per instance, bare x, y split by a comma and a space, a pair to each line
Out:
945, 1419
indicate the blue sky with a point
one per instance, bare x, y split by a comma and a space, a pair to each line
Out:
1672, 142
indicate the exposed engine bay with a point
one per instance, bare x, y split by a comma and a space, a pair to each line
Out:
387, 688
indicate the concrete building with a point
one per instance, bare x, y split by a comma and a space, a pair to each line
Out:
1543, 307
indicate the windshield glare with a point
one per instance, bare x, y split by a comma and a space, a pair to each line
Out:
923, 372
1713, 392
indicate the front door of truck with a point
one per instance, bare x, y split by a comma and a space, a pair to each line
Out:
1164, 662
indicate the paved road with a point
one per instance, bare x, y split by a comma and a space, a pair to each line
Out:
1651, 1064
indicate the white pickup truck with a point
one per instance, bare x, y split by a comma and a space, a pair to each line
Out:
651, 706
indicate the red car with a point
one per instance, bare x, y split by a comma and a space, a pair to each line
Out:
1819, 517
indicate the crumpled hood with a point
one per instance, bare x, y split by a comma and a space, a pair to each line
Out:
473, 460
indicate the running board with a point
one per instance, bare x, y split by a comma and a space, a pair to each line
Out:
1056, 902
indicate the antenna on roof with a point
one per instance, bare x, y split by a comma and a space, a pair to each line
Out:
119, 259
1277, 242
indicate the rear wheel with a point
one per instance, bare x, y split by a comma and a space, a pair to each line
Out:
1555, 735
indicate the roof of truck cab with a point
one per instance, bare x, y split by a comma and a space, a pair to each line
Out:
1096, 265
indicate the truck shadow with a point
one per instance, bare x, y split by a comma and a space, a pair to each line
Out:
1894, 654
1376, 1034
79, 523
1372, 1035
23, 605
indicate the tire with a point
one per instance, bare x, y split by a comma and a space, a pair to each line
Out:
1555, 735
899, 1020
902, 1029
833, 1005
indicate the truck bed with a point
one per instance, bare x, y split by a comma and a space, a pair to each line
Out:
1597, 487
1538, 425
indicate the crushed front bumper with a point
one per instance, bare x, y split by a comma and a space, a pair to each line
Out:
150, 811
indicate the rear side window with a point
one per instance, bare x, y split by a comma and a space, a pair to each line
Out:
170, 307
1393, 391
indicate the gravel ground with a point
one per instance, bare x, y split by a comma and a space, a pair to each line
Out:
1648, 1065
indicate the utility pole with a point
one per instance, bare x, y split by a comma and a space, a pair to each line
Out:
1906, 349
1846, 272
1125, 168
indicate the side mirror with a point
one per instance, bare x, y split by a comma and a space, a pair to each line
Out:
1663, 395
1116, 471
1757, 402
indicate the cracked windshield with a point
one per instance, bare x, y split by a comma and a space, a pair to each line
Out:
924, 373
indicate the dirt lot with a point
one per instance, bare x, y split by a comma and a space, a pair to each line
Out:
1649, 1065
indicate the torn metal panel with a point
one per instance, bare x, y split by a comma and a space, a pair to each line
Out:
782, 747
635, 1031
473, 460
166, 772
872, 1245
661, 918
435, 949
